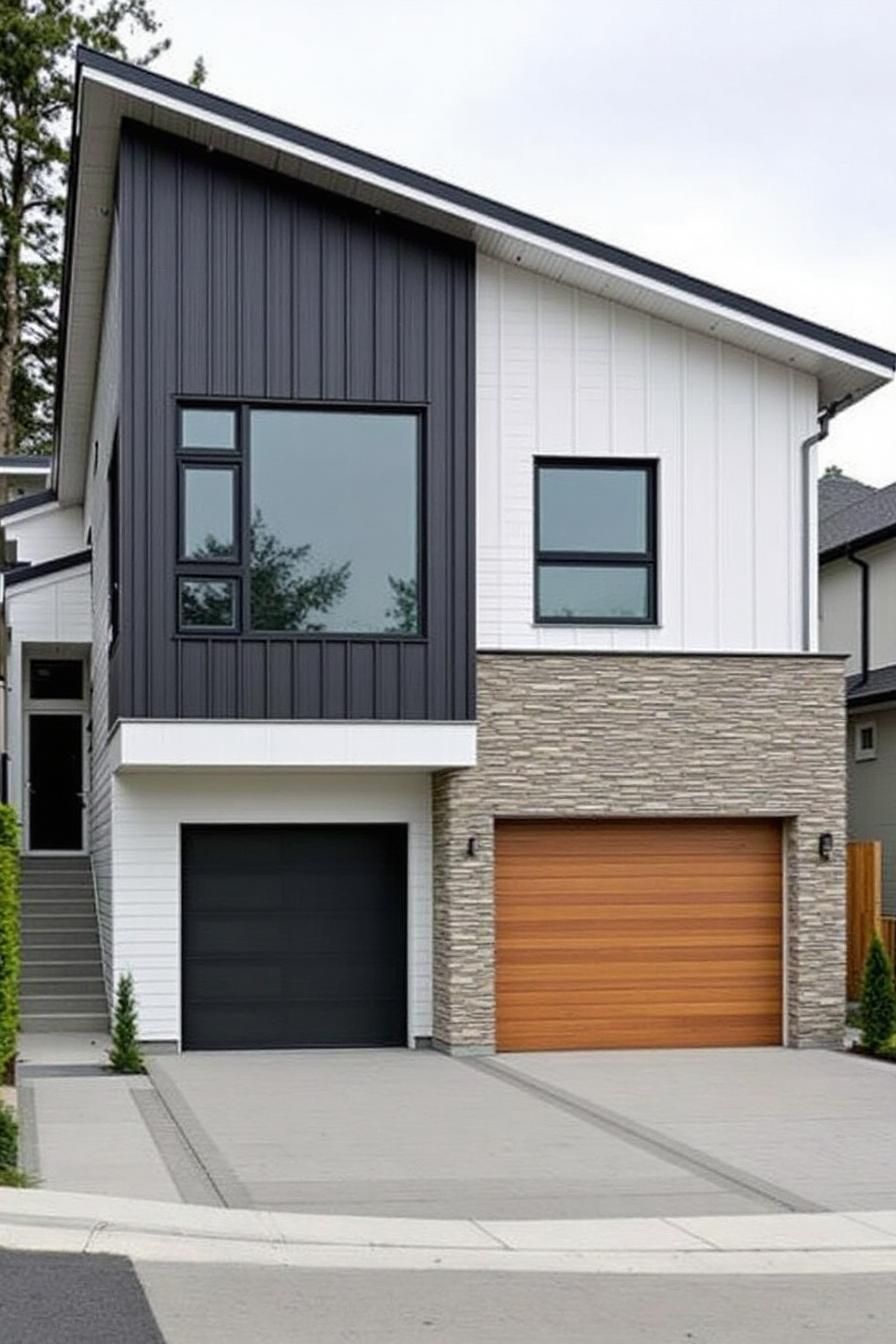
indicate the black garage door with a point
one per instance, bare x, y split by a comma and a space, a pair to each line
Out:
294, 936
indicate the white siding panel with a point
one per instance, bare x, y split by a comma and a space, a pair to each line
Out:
102, 433
47, 534
882, 604
148, 811
839, 628
561, 372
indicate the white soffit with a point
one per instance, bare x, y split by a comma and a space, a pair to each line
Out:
106, 99
288, 745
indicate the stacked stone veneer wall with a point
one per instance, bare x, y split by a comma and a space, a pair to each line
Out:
647, 735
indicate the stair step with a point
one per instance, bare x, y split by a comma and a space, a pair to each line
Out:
57, 891
58, 958
62, 1003
52, 972
62, 940
90, 982
64, 1022
39, 920
59, 903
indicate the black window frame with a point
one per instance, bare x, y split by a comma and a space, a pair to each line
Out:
208, 462
646, 560
239, 460
203, 631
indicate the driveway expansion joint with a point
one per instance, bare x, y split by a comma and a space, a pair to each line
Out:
220, 1176
722, 1174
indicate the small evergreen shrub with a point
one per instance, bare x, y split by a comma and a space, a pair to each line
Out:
9, 937
9, 1139
125, 1055
878, 1011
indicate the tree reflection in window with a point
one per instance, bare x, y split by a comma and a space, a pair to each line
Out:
207, 604
285, 592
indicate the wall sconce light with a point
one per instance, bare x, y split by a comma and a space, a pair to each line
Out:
473, 847
825, 846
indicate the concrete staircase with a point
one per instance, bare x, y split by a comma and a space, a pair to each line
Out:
62, 978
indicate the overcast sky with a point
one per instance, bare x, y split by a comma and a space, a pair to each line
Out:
750, 142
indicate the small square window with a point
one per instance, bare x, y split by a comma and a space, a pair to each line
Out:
207, 604
208, 428
866, 741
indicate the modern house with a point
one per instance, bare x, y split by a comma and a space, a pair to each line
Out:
425, 612
857, 553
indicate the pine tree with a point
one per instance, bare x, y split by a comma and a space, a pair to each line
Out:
38, 39
878, 1012
125, 1055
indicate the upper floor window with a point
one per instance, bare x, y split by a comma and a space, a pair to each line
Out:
299, 521
595, 541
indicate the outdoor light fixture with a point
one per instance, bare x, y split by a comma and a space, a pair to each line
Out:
473, 847
825, 846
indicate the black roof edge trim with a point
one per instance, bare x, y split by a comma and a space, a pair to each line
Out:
856, 700
509, 215
13, 460
24, 573
28, 502
859, 543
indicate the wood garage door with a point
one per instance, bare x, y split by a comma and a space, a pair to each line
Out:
294, 936
638, 933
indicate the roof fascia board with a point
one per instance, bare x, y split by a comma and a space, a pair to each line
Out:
859, 354
862, 543
63, 564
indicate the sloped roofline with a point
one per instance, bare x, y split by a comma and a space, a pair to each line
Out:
109, 90
356, 158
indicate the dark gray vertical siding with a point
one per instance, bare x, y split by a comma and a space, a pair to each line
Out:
241, 284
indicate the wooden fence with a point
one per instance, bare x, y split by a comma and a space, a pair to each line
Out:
863, 916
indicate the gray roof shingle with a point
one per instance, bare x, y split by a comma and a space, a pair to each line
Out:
838, 492
880, 684
870, 515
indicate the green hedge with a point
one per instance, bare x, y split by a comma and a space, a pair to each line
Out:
9, 935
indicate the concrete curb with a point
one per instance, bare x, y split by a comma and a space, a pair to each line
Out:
145, 1230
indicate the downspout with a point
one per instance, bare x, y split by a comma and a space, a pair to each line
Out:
809, 488
865, 606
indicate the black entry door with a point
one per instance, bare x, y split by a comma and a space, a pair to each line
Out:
294, 936
55, 781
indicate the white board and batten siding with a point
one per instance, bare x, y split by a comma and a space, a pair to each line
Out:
47, 533
148, 811
561, 372
102, 434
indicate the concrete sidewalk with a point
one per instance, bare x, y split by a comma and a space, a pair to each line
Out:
158, 1232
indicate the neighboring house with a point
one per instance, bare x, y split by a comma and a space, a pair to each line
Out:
22, 475
433, 592
857, 553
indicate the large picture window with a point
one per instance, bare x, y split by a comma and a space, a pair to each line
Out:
595, 541
301, 521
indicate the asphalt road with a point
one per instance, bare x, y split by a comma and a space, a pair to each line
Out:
229, 1305
72, 1299
81, 1299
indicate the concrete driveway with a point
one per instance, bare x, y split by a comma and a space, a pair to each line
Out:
581, 1135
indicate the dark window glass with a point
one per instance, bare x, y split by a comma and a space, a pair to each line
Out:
592, 510
208, 428
333, 522
207, 604
593, 592
595, 542
208, 514
56, 679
